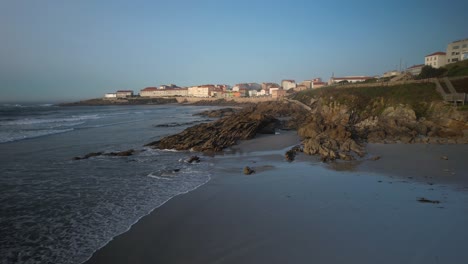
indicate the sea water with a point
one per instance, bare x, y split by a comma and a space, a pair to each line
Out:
54, 209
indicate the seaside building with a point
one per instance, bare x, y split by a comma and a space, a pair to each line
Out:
267, 85
169, 86
288, 84
457, 51
167, 92
110, 96
436, 59
124, 93
391, 73
300, 87
278, 93
253, 93
307, 83
263, 92
415, 69
201, 90
317, 83
349, 79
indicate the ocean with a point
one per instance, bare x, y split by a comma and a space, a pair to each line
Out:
54, 209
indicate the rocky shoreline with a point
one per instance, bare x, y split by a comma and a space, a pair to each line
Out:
328, 129
331, 131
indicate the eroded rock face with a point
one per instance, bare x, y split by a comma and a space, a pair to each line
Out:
328, 133
400, 125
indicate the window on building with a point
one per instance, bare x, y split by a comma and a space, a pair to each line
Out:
456, 47
456, 59
464, 46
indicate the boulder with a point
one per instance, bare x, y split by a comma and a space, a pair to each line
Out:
247, 170
193, 159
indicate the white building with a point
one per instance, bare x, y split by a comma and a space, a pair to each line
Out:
124, 93
253, 93
288, 84
348, 79
457, 51
391, 73
201, 91
110, 95
270, 91
168, 92
436, 59
415, 69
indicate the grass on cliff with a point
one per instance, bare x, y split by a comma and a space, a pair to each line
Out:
457, 69
369, 101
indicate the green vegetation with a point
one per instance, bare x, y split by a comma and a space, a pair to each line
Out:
430, 72
462, 108
457, 69
369, 101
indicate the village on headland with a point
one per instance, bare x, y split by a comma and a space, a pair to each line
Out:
456, 51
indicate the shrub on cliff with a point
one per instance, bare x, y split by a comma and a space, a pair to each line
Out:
430, 72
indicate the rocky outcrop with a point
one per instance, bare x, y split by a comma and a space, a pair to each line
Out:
399, 124
218, 112
214, 137
125, 153
263, 118
247, 170
329, 133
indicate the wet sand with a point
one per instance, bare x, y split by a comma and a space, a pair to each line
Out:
305, 212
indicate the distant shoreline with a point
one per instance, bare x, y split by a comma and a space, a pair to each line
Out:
169, 100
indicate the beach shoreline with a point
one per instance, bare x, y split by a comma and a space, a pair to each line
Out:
296, 211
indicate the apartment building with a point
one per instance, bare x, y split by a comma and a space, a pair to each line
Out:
457, 51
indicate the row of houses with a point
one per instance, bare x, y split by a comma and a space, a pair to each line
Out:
456, 51
222, 90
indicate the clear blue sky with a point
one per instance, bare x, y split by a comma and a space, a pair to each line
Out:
68, 50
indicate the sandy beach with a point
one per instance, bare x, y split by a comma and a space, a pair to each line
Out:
310, 212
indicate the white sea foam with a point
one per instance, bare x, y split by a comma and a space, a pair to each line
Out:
35, 121
20, 135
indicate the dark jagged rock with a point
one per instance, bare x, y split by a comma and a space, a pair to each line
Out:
290, 155
218, 112
215, 136
125, 153
247, 170
174, 124
193, 159
424, 200
89, 155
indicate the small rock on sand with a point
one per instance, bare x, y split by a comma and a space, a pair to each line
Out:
247, 170
424, 200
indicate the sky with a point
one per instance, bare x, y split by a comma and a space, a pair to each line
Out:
65, 50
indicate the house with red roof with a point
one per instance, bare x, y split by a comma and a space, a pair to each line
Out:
436, 59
